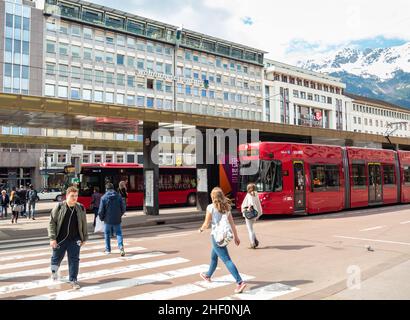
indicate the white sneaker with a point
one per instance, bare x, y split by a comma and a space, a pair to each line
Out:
107, 252
75, 285
54, 276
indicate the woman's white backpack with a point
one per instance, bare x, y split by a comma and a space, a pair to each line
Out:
223, 231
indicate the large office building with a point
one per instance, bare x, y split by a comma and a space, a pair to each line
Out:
82, 51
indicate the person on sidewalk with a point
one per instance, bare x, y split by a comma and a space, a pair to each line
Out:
67, 231
122, 190
95, 202
219, 209
31, 201
251, 205
111, 210
4, 203
22, 193
16, 205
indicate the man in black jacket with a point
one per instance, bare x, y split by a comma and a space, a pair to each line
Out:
22, 193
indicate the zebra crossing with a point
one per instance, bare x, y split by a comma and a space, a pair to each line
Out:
143, 274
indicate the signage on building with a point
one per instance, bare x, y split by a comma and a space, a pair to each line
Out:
77, 149
158, 75
318, 116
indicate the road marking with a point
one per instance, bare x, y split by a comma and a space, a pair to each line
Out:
120, 284
36, 272
187, 289
268, 292
373, 228
48, 253
375, 240
90, 275
405, 222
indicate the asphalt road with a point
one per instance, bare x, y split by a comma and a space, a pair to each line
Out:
360, 254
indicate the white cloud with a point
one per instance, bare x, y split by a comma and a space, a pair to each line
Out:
278, 24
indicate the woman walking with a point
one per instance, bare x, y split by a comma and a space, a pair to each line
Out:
16, 205
219, 209
251, 211
95, 202
122, 190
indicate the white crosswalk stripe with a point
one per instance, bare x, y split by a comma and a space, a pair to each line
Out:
36, 272
46, 252
268, 292
188, 289
45, 261
111, 275
91, 275
120, 284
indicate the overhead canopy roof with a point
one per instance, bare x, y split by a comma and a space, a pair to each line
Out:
40, 112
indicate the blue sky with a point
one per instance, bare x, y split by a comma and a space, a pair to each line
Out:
289, 29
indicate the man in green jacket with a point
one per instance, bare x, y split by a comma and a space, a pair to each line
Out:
67, 231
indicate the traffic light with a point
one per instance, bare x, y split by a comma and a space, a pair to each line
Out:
179, 34
206, 84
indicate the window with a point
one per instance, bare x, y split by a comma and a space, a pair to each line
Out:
120, 79
51, 47
62, 91
97, 158
88, 33
50, 90
130, 81
150, 102
75, 51
98, 96
109, 97
358, 176
88, 74
50, 69
325, 177
120, 59
75, 93
406, 171
388, 175
110, 78
267, 179
87, 94
62, 158
120, 98
88, 54
150, 84
76, 31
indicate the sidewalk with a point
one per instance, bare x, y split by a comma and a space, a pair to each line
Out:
26, 228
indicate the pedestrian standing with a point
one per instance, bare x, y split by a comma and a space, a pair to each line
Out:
251, 210
95, 202
22, 193
218, 210
111, 210
67, 231
122, 190
16, 205
31, 200
4, 203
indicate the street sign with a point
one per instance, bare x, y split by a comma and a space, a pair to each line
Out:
77, 149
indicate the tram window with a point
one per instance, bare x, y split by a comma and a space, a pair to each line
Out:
359, 176
267, 179
388, 175
407, 175
325, 178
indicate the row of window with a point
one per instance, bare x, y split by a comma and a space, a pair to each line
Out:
312, 97
360, 176
308, 84
381, 112
369, 122
100, 57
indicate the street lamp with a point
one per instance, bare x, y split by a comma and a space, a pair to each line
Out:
390, 130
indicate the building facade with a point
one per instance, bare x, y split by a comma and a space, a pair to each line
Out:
377, 117
300, 97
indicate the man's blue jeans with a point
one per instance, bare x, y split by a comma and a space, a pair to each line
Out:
107, 234
223, 254
73, 253
31, 209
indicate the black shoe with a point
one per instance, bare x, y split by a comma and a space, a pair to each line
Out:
256, 243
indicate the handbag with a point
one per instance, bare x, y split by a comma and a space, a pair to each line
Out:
223, 232
18, 208
99, 225
250, 213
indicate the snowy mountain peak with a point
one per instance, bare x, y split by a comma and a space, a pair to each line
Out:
380, 63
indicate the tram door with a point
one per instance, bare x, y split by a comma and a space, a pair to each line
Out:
375, 183
299, 186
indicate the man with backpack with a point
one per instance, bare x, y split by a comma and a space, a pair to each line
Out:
110, 211
31, 201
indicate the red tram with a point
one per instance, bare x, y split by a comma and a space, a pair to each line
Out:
294, 178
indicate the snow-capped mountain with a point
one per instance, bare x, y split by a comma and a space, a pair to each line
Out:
378, 73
